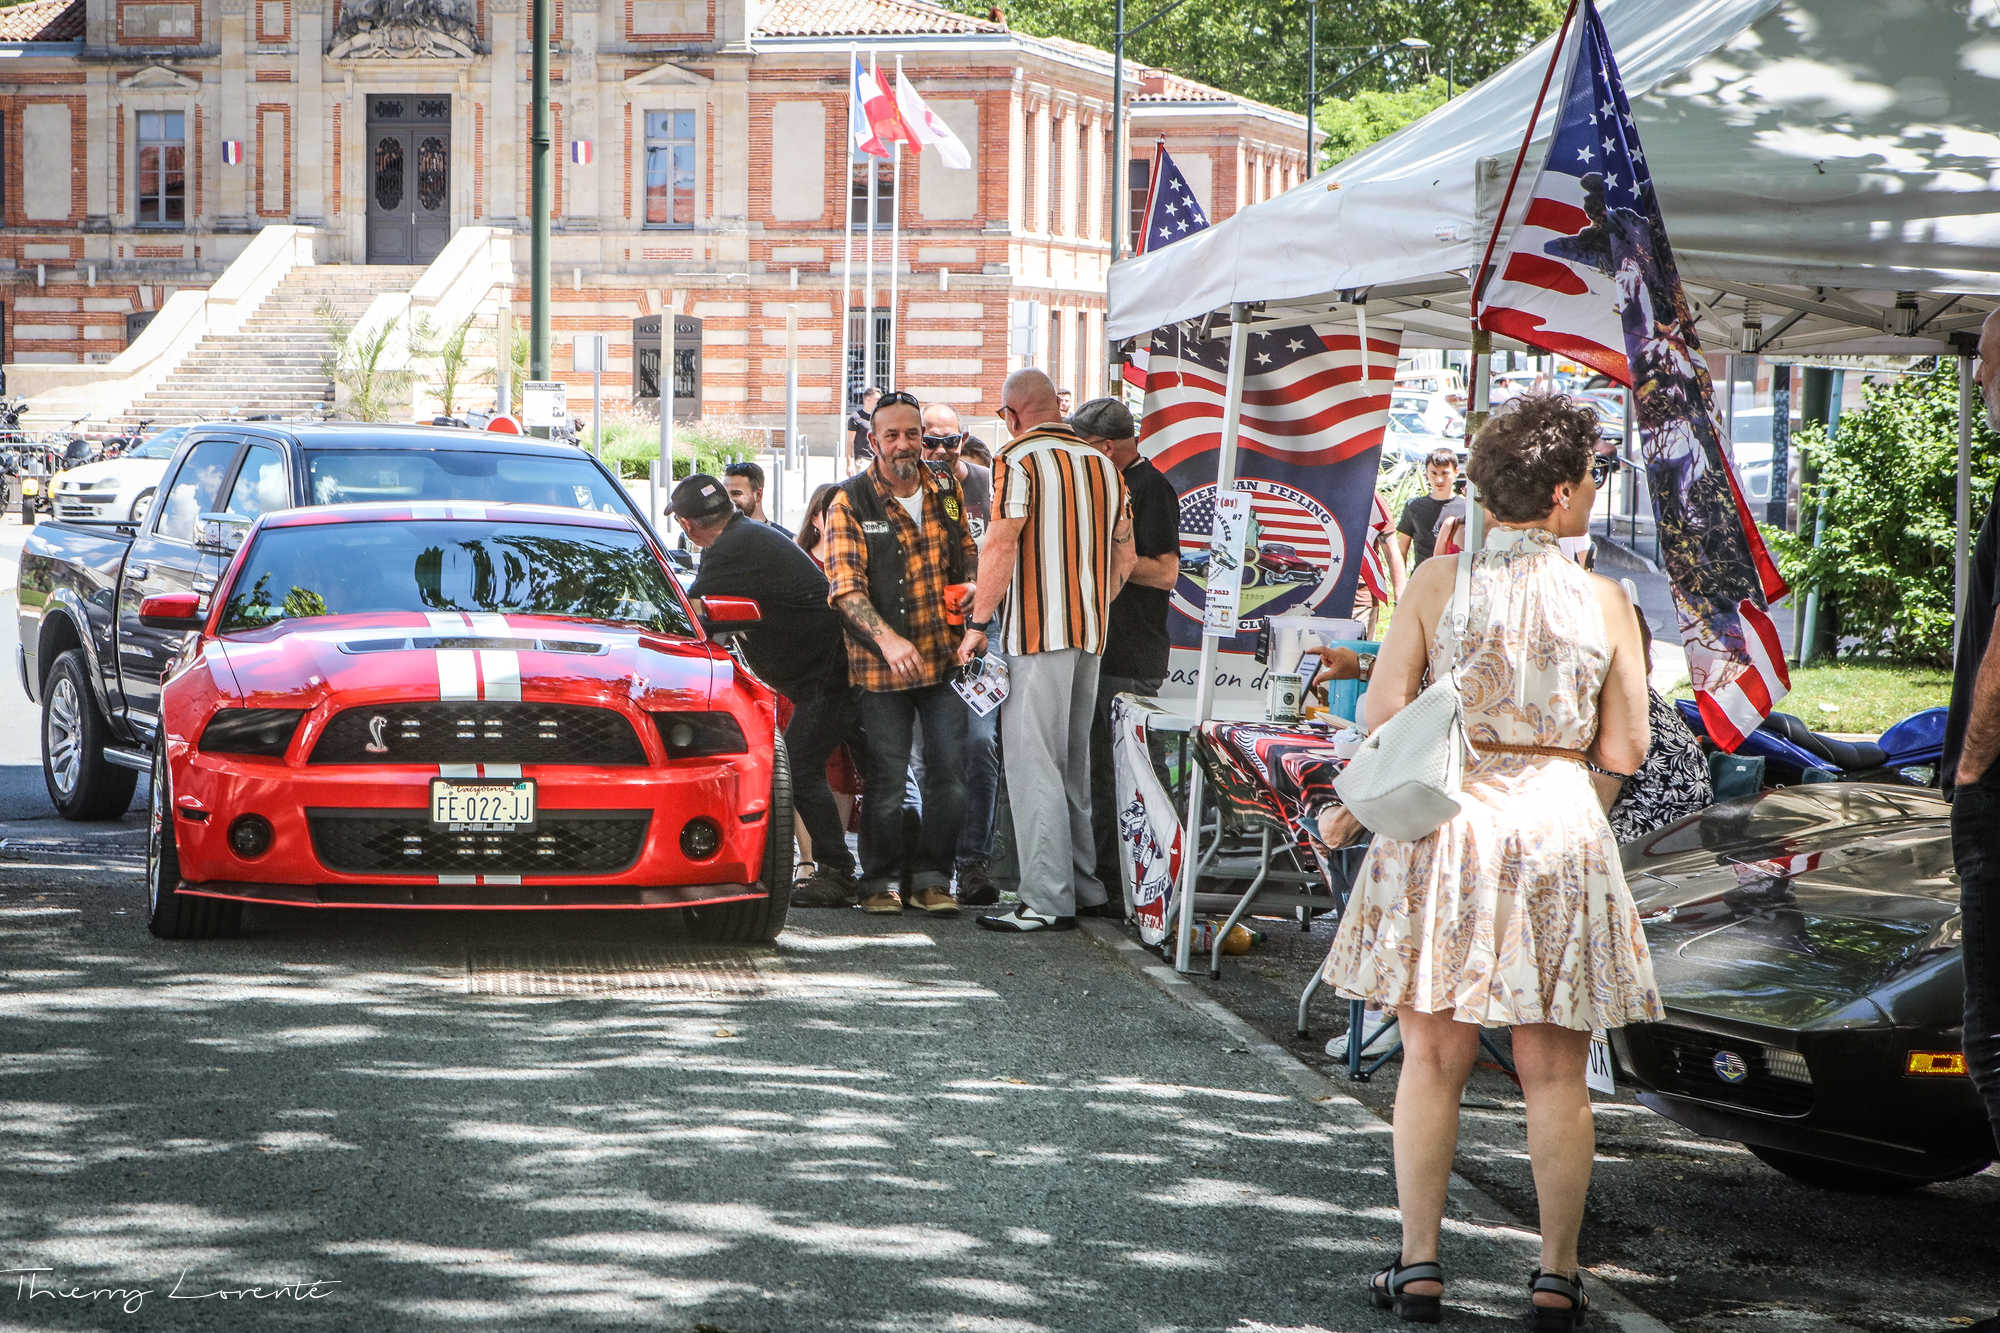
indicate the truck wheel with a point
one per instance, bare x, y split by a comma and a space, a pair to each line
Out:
171, 914
82, 783
760, 920
27, 511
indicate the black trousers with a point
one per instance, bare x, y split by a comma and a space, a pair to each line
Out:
1975, 847
887, 720
822, 717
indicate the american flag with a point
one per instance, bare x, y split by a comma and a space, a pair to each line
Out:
1172, 214
1375, 574
1588, 274
1306, 399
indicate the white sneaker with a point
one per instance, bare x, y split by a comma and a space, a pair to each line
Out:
1373, 1023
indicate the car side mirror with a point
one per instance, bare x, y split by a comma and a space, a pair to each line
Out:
172, 611
220, 534
724, 616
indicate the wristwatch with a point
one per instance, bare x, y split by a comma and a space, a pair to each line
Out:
980, 626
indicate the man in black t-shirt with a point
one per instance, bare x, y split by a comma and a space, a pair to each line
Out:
1135, 645
1418, 526
799, 650
1970, 776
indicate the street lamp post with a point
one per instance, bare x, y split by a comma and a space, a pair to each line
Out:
1312, 73
1120, 170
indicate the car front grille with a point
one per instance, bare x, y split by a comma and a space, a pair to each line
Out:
480, 732
405, 842
1684, 1062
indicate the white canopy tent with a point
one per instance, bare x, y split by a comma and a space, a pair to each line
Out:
1827, 169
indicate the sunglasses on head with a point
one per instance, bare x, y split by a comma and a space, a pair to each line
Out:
943, 441
898, 399
1602, 466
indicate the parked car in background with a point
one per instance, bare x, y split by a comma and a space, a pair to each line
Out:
462, 706
1750, 440
1807, 946
1429, 412
116, 489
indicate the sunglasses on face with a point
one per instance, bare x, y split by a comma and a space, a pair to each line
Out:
1602, 466
943, 441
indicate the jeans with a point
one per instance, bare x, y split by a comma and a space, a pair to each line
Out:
1103, 777
1046, 727
982, 786
822, 717
888, 718
1975, 847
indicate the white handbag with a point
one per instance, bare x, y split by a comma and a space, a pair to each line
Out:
1404, 780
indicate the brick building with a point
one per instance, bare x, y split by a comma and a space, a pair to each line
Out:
701, 161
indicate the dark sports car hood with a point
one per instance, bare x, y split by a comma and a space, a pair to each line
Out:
1800, 906
452, 656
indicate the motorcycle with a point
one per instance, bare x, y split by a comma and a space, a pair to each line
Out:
1907, 754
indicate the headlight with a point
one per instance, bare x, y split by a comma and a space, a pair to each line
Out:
263, 731
689, 734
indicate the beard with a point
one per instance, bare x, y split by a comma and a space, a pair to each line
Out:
901, 467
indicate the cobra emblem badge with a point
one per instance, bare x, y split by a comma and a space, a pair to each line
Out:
376, 726
1730, 1068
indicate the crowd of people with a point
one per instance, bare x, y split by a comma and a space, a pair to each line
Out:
1053, 556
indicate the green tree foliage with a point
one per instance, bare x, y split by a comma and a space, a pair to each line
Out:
1887, 484
1257, 48
1351, 124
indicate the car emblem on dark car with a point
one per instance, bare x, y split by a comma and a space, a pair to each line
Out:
376, 726
1730, 1068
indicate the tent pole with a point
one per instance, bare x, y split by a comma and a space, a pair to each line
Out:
1204, 688
1964, 525
1480, 386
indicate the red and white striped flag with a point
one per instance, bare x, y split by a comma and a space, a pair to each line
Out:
1588, 274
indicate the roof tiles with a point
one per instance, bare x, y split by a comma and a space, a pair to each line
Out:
42, 21
866, 18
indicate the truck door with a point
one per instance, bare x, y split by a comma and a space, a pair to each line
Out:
164, 559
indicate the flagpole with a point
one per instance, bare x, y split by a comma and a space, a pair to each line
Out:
1500, 219
840, 435
868, 263
895, 239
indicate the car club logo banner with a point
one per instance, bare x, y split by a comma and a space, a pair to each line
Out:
1308, 444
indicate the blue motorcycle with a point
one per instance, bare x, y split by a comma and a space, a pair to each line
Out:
1907, 753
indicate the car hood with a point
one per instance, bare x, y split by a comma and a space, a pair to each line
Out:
1800, 906
405, 656
124, 471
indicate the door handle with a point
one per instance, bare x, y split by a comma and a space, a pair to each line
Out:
136, 571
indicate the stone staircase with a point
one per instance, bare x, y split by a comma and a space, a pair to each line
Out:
274, 365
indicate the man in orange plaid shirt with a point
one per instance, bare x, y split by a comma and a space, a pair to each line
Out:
896, 538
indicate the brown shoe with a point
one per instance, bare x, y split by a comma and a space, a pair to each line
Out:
827, 888
975, 887
935, 901
885, 901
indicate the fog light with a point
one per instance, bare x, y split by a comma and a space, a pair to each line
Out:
701, 839
250, 837
1949, 1064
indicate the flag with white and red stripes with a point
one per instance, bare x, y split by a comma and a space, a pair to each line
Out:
1381, 529
1309, 437
1588, 274
1172, 213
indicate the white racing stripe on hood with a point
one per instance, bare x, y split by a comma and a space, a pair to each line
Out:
446, 622
458, 674
489, 624
501, 671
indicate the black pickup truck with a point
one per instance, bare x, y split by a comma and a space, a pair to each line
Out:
96, 670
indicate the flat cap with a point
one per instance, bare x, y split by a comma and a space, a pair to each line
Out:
700, 497
1103, 419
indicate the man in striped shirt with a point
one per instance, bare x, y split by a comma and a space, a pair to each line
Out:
1058, 547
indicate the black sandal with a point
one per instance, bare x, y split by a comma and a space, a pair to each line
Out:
1386, 1288
1557, 1318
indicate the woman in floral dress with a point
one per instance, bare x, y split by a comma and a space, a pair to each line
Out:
1515, 913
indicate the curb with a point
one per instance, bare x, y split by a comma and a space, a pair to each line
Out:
1625, 553
1606, 1301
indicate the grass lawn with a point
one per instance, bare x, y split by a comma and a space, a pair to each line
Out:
1859, 696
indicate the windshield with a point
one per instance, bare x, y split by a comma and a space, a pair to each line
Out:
354, 476
1407, 422
161, 446
332, 569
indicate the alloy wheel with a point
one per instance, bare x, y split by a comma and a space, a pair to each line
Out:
65, 734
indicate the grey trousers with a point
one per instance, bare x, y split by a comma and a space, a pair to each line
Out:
1045, 742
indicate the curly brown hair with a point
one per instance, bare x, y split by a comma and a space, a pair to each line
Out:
1527, 448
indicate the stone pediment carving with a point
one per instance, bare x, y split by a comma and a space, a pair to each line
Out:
406, 30
158, 78
670, 75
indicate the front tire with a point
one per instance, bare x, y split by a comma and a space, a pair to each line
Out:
760, 920
1827, 1175
82, 783
171, 914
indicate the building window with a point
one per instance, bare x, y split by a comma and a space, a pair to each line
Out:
861, 367
670, 168
885, 193
145, 24
1137, 174
162, 169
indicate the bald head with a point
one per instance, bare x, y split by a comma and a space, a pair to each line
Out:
1986, 372
1030, 396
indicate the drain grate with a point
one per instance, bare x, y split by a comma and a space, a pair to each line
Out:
669, 971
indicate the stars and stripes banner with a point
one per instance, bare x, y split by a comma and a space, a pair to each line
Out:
1588, 274
1172, 213
1309, 438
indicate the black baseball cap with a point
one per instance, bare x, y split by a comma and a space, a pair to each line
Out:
701, 497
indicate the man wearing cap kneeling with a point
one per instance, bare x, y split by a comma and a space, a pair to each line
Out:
796, 649
896, 538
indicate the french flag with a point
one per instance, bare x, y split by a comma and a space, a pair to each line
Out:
580, 152
876, 121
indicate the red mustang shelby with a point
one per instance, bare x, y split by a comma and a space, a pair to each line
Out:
462, 706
